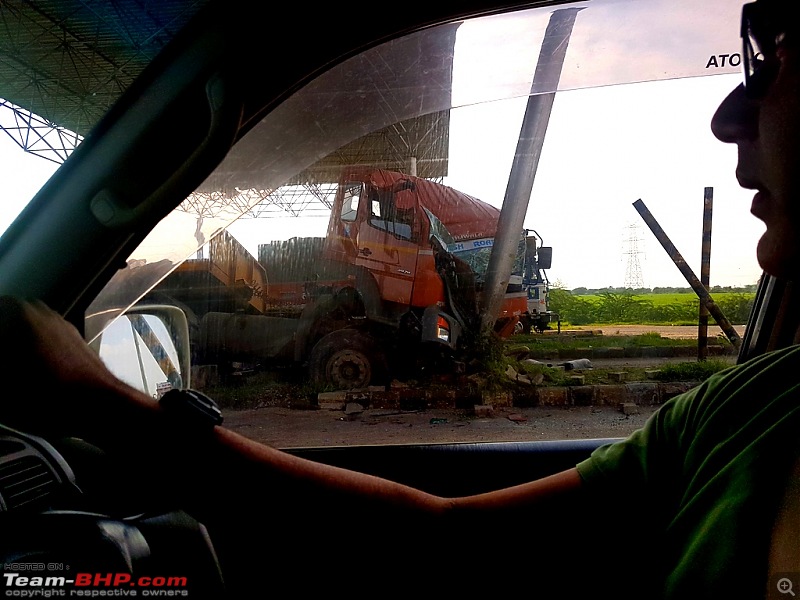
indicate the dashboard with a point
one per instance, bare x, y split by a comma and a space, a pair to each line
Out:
59, 534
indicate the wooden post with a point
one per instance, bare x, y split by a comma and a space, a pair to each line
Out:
683, 267
705, 269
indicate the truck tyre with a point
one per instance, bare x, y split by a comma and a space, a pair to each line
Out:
346, 359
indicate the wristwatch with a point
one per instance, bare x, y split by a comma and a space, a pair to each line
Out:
194, 410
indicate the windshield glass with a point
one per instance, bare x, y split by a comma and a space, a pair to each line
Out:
486, 66
477, 253
351, 242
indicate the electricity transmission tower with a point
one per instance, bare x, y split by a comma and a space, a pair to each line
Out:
633, 272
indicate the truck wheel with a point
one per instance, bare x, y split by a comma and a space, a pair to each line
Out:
346, 359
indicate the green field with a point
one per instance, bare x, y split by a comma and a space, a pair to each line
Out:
668, 308
664, 299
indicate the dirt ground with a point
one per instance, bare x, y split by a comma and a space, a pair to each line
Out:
287, 428
667, 331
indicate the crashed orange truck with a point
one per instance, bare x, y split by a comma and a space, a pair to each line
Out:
392, 288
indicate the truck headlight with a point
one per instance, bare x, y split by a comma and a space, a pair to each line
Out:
443, 330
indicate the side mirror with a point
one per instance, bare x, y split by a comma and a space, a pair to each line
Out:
147, 346
544, 257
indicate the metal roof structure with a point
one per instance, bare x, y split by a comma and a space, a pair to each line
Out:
63, 63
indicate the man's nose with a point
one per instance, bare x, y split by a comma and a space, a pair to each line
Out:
736, 118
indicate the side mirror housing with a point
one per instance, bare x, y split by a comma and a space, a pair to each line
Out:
147, 347
544, 257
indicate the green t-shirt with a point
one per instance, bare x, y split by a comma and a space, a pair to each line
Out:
710, 465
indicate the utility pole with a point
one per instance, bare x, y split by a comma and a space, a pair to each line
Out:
526, 162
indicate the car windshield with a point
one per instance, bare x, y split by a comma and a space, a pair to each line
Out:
369, 201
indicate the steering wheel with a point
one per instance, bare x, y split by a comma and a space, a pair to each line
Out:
57, 533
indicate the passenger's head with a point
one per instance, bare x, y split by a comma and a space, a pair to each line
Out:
762, 117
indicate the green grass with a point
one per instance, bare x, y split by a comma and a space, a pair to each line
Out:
666, 299
567, 341
671, 372
690, 371
268, 388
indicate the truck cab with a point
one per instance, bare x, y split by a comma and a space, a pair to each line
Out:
409, 233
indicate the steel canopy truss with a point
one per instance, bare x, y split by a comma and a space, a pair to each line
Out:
416, 146
37, 135
286, 201
69, 60
63, 63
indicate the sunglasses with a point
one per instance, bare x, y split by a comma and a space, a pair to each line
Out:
762, 33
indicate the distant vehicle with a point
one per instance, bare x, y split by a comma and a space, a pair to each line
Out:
538, 259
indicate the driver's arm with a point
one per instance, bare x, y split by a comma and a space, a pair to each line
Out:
77, 395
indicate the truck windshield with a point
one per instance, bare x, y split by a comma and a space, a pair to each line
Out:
476, 253
439, 231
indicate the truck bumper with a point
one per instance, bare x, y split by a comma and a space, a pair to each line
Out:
546, 317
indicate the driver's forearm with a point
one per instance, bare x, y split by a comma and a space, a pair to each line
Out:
211, 469
223, 470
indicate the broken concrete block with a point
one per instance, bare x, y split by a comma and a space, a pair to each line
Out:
483, 411
497, 398
553, 396
532, 361
332, 397
353, 408
579, 364
518, 352
629, 408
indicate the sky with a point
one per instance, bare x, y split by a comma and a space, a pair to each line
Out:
21, 176
606, 145
647, 141
605, 148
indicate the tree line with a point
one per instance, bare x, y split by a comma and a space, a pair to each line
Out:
719, 289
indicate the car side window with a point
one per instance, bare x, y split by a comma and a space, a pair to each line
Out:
341, 256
